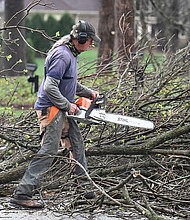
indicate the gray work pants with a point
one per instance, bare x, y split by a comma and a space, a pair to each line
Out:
49, 149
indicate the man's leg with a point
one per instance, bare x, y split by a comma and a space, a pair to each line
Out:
78, 151
77, 145
43, 160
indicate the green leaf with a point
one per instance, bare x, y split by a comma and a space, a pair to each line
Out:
19, 61
57, 34
25, 71
8, 57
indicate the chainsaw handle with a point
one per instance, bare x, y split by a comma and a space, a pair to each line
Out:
100, 99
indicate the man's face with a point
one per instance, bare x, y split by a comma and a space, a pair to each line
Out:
83, 47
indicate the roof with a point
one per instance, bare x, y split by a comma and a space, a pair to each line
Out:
67, 5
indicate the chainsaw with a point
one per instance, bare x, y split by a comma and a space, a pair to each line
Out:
90, 111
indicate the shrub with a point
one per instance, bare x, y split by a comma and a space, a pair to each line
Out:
65, 24
30, 53
50, 27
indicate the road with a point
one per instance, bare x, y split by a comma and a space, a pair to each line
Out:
10, 213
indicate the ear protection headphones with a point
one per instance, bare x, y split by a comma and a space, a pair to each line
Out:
82, 35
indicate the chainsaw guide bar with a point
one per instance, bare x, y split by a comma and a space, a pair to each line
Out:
91, 112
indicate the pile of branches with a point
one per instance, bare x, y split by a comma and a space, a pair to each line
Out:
129, 168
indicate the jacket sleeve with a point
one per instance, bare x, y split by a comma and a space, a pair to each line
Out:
52, 91
83, 91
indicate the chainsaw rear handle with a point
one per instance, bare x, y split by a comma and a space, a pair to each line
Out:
96, 103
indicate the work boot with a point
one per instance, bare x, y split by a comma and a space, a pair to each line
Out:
32, 204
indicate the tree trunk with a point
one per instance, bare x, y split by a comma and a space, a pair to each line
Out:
168, 19
106, 32
145, 148
143, 25
174, 31
124, 26
12, 174
13, 48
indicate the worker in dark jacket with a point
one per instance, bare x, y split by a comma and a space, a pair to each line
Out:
55, 100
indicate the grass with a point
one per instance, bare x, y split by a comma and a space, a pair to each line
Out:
15, 94
40, 67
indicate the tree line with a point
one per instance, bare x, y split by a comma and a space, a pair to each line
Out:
52, 27
121, 23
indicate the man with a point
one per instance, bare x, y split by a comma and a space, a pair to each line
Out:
56, 97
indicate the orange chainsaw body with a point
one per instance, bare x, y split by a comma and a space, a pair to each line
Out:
83, 102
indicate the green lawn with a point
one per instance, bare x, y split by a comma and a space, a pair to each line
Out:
40, 66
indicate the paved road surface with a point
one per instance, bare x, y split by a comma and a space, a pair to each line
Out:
8, 213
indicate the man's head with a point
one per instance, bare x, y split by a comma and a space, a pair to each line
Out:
82, 31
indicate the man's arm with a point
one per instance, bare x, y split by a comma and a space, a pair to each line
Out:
51, 88
84, 91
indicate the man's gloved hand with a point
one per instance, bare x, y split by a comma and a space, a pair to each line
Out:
94, 94
73, 109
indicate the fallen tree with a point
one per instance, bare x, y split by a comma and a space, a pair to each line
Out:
146, 170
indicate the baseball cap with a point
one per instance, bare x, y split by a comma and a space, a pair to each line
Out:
91, 32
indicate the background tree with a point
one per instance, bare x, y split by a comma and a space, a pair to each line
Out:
116, 29
124, 26
51, 26
36, 22
168, 21
43, 33
142, 17
13, 46
106, 32
65, 24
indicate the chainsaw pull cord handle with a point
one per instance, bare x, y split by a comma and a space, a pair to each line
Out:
96, 102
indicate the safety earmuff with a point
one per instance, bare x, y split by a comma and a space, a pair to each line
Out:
82, 35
